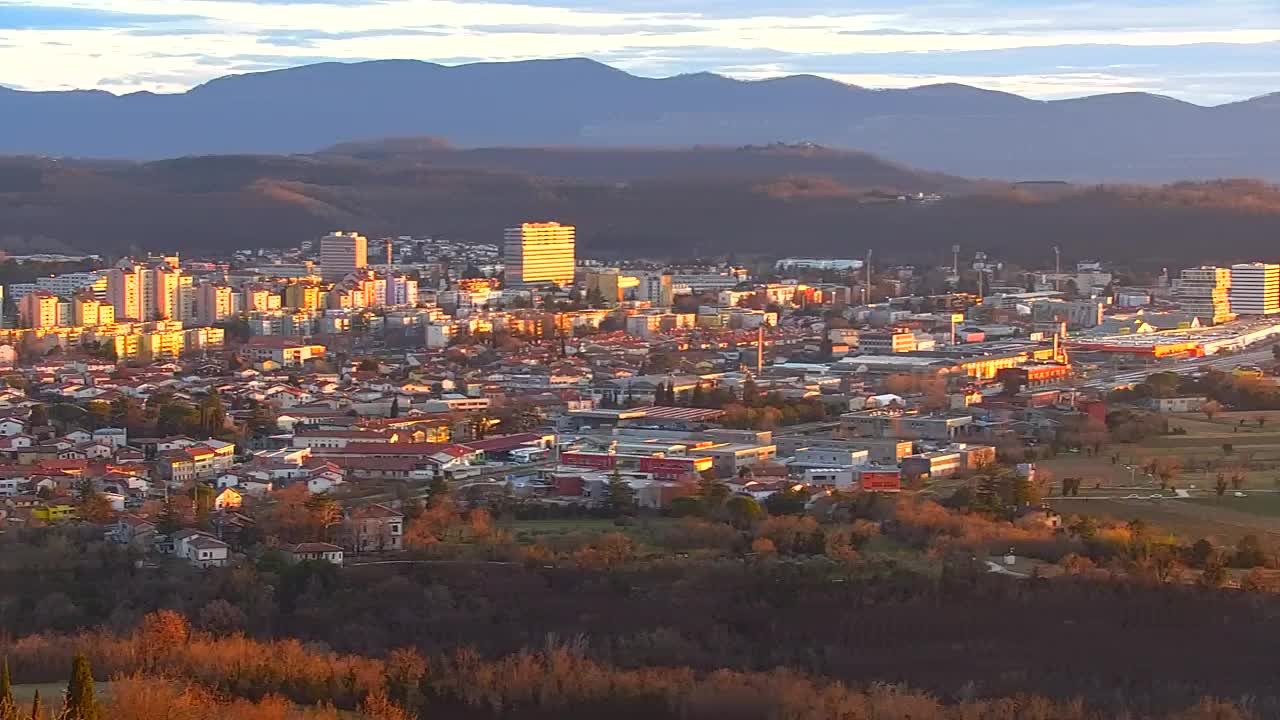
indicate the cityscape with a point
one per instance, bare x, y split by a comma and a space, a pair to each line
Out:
518, 386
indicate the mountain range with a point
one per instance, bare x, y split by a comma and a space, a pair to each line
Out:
952, 129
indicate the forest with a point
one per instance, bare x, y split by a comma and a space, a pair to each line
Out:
868, 607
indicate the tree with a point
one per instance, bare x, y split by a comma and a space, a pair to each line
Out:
438, 492
787, 502
620, 498
1249, 553
743, 511
1214, 575
1211, 408
80, 703
39, 415
169, 521
1220, 487
37, 711
325, 513
368, 365
395, 408
698, 397
712, 492
1201, 553
750, 392
8, 710
213, 414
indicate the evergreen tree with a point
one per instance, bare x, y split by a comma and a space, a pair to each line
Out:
8, 710
438, 492
712, 492
699, 396
395, 408
619, 496
80, 703
36, 713
169, 522
750, 392
660, 394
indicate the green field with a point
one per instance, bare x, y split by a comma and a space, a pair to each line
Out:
1264, 504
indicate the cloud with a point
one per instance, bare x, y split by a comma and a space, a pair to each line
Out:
47, 17
554, 29
309, 38
890, 32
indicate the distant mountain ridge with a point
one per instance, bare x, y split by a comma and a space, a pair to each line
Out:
947, 128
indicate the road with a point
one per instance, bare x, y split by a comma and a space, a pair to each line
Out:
1112, 380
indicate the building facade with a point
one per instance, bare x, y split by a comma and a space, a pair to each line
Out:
342, 253
1205, 293
1255, 289
539, 254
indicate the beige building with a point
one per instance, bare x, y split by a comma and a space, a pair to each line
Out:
539, 254
124, 292
86, 311
38, 310
302, 296
342, 253
213, 303
166, 288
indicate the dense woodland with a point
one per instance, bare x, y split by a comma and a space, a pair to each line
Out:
247, 201
661, 616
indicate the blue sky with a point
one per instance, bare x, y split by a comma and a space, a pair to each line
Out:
1205, 51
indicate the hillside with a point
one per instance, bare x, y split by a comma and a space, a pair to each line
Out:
702, 201
946, 128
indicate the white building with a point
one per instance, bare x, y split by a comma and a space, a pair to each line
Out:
819, 264
1255, 289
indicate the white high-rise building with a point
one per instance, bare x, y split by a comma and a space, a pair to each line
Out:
1205, 293
1255, 289
342, 253
539, 254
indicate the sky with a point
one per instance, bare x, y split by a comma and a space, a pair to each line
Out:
1203, 51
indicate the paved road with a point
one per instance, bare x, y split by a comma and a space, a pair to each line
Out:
1109, 381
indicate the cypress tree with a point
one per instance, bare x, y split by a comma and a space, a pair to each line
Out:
80, 703
35, 707
8, 710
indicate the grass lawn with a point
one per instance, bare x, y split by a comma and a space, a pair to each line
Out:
1264, 504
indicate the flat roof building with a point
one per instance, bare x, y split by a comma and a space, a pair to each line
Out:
1255, 289
342, 253
539, 254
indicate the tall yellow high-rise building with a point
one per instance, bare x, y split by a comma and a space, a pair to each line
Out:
539, 254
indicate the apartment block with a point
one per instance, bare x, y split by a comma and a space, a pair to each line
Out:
1255, 289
